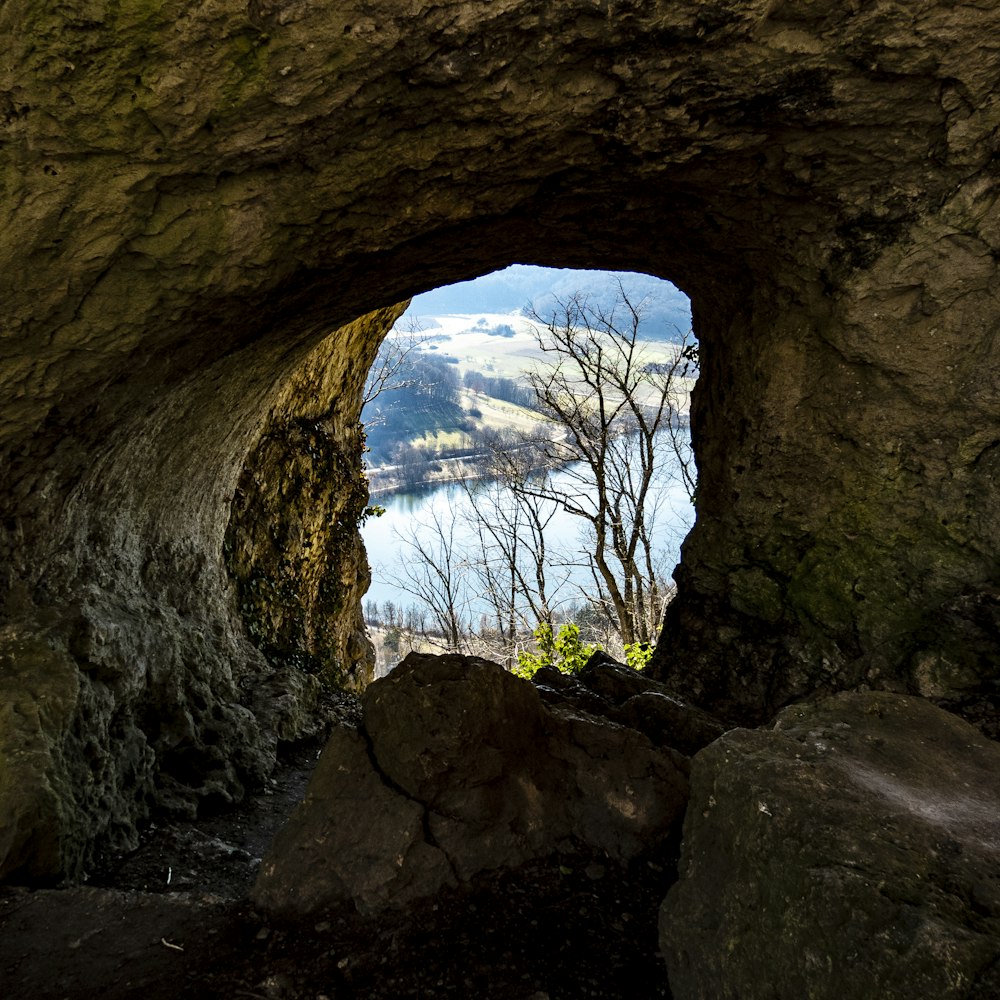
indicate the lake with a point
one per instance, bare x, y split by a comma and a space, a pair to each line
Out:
412, 514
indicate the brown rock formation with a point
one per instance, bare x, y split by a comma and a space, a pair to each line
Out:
460, 768
851, 852
196, 196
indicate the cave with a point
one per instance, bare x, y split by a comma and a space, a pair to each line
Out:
215, 213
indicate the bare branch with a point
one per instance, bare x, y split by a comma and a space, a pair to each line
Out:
387, 373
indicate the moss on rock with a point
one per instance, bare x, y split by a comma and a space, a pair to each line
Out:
292, 544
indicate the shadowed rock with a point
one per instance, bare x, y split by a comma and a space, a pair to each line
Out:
460, 767
611, 690
851, 852
354, 838
210, 211
641, 702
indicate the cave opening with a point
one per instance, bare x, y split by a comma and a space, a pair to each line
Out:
466, 552
180, 572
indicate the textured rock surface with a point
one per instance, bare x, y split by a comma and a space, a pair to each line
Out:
194, 197
853, 851
39, 690
174, 707
292, 546
617, 692
460, 768
353, 839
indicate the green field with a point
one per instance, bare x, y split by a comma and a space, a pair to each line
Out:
441, 429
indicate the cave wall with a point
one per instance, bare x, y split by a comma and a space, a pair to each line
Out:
195, 197
848, 501
292, 548
140, 674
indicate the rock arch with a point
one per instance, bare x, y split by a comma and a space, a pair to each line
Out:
196, 196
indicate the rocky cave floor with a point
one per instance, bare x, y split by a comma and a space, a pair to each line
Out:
171, 920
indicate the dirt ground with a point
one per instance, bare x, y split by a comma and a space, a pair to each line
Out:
172, 920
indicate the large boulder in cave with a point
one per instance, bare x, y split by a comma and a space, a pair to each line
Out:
852, 851
210, 210
459, 768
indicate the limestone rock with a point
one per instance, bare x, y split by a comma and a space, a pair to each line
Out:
608, 689
292, 547
669, 721
192, 657
440, 726
852, 851
353, 839
617, 792
460, 768
649, 706
210, 210
612, 680
557, 688
38, 695
69, 768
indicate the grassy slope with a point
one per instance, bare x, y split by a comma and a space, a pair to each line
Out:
439, 427
439, 430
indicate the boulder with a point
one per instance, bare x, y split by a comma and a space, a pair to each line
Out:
352, 838
852, 851
557, 688
612, 680
458, 768
670, 721
631, 698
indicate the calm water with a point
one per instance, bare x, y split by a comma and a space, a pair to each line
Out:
413, 513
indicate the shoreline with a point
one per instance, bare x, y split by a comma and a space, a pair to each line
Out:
395, 485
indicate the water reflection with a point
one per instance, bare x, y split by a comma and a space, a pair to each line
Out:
566, 535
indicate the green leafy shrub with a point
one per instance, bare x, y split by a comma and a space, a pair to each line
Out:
564, 651
638, 654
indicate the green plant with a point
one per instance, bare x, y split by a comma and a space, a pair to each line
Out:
638, 654
373, 510
564, 651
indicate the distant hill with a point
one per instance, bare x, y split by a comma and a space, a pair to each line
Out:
667, 311
463, 382
428, 410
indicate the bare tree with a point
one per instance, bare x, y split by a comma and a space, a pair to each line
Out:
513, 563
621, 433
618, 407
435, 573
391, 367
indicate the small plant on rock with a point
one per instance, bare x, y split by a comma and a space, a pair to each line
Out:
564, 651
638, 654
